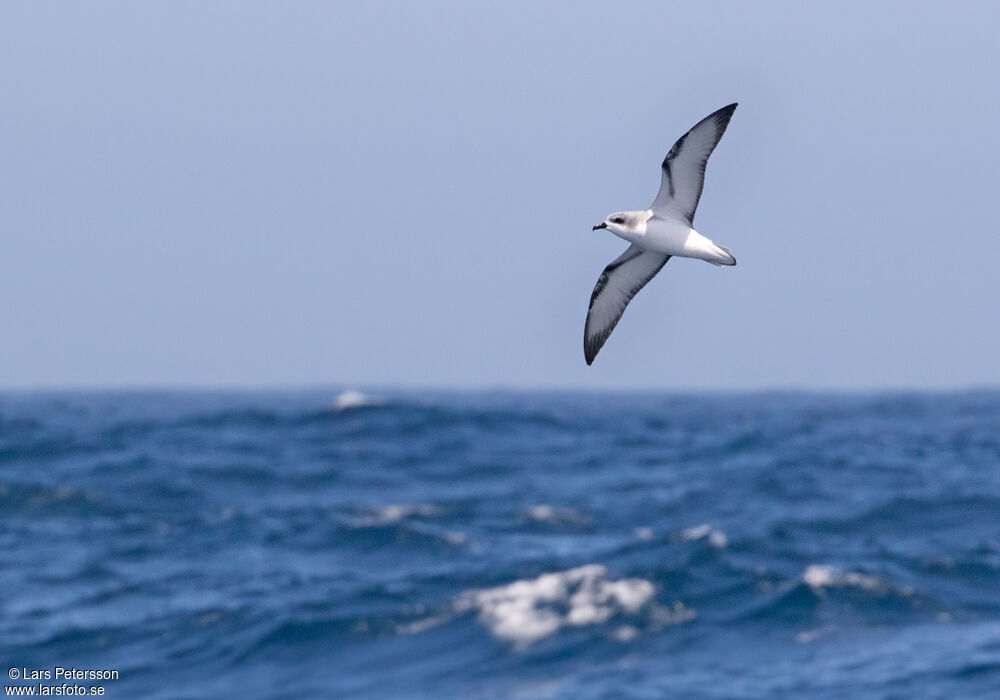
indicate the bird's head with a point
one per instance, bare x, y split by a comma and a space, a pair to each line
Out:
619, 222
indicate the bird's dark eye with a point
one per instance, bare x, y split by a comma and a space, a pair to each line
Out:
618, 220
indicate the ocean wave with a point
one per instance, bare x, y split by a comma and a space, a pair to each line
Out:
403, 522
822, 576
554, 515
716, 538
528, 610
395, 513
47, 499
350, 399
496, 540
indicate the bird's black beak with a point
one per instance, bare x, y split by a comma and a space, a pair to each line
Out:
600, 225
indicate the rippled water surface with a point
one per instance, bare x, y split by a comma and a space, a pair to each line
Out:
504, 545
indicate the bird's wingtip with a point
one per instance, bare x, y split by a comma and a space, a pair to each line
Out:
723, 114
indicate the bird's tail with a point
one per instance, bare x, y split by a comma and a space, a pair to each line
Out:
721, 257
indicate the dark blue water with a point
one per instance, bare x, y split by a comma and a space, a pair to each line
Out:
504, 545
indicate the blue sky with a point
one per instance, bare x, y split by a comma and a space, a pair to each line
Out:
402, 193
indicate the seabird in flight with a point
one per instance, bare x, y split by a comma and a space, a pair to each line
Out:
664, 230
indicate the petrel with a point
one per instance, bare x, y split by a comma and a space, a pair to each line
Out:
664, 230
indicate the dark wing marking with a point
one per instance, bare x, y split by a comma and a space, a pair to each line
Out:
620, 281
683, 173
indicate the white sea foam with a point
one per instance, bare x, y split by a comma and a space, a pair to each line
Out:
812, 635
625, 633
454, 538
716, 538
423, 625
397, 512
355, 399
664, 616
544, 513
525, 611
643, 533
820, 576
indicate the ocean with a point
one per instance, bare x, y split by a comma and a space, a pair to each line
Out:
328, 544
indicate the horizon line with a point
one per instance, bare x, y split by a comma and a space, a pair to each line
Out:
406, 388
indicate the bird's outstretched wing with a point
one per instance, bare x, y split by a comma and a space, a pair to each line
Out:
620, 281
684, 167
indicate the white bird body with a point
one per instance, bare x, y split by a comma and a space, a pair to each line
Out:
668, 235
663, 231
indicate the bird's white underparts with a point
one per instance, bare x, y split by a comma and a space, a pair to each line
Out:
664, 230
